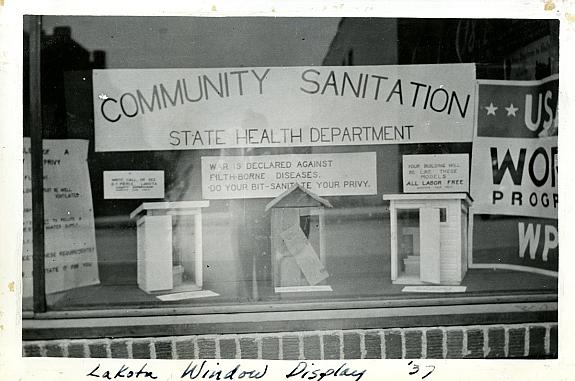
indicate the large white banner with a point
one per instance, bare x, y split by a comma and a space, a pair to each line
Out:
69, 234
336, 174
173, 109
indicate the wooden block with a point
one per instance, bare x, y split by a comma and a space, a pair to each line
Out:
177, 275
430, 261
281, 220
304, 254
155, 253
289, 273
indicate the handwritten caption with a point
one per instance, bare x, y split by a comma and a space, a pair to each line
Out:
207, 370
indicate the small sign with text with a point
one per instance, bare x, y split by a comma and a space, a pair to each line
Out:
436, 173
339, 174
133, 184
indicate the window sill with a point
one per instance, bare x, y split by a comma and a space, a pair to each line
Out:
496, 309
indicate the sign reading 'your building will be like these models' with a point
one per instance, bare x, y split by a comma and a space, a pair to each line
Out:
175, 109
436, 173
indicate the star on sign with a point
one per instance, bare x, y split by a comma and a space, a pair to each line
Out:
511, 110
491, 109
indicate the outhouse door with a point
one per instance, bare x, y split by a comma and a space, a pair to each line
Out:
430, 256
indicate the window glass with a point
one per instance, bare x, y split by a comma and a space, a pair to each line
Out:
135, 220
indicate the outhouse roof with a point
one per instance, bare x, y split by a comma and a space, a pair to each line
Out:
166, 206
298, 197
429, 196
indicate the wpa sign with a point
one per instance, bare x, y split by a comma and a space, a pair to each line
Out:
514, 173
515, 177
518, 109
518, 243
514, 168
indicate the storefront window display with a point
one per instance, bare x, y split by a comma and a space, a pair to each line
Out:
184, 167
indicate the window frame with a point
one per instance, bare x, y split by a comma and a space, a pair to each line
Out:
364, 313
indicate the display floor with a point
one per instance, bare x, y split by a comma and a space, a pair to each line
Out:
477, 282
359, 268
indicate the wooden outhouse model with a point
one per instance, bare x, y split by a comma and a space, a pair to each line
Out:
160, 267
298, 241
430, 237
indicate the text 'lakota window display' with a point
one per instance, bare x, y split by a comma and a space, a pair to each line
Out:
172, 109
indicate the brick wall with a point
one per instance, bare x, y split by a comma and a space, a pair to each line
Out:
486, 341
